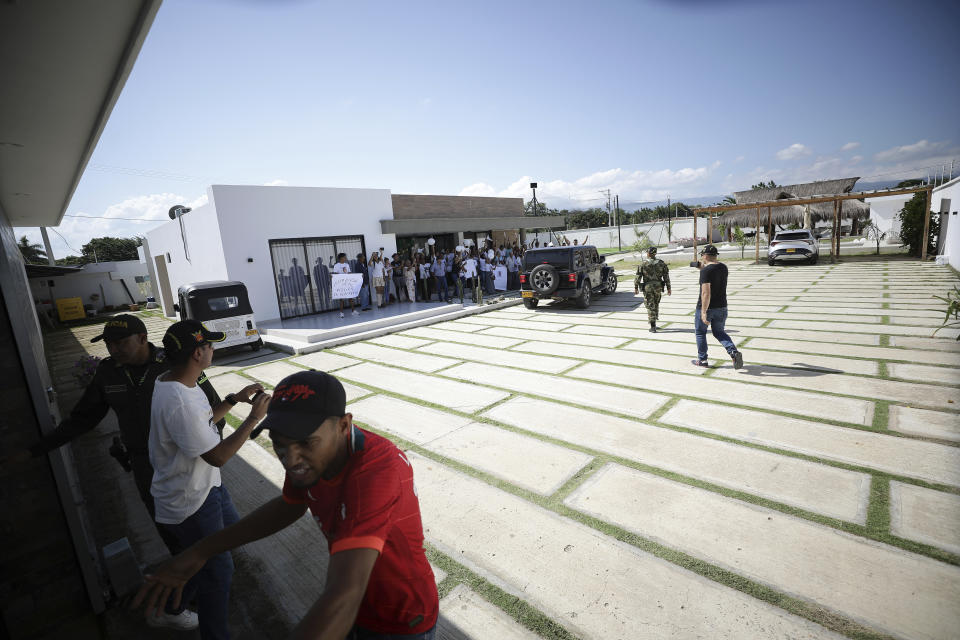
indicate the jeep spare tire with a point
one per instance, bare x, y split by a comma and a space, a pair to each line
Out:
544, 279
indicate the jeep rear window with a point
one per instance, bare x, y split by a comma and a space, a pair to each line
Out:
795, 235
558, 258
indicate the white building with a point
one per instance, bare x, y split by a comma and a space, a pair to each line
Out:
945, 200
282, 241
885, 211
100, 285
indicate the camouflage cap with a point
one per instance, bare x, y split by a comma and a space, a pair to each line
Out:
652, 251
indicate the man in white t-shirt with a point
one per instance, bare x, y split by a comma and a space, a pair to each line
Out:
186, 453
343, 267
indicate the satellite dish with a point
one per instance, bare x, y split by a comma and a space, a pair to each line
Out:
178, 210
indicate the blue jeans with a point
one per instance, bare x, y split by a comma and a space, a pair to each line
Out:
386, 290
717, 318
211, 586
365, 297
441, 287
362, 634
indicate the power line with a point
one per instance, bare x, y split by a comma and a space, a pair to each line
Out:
64, 240
77, 215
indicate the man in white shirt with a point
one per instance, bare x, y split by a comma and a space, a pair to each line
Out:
343, 267
186, 453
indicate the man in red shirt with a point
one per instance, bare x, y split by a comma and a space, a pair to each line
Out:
359, 489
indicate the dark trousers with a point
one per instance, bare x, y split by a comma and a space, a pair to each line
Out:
143, 477
211, 586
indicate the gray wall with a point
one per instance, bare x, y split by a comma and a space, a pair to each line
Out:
413, 207
42, 587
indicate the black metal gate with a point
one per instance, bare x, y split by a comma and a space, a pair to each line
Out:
302, 268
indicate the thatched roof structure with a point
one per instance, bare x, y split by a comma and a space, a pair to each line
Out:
794, 214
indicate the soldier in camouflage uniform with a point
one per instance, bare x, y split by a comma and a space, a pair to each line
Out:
653, 275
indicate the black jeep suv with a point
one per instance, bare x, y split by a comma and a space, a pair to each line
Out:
565, 272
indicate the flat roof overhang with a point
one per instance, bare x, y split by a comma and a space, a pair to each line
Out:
62, 68
453, 225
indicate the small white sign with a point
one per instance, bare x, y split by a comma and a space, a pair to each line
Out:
500, 278
346, 286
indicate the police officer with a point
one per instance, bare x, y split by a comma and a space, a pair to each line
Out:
124, 382
653, 275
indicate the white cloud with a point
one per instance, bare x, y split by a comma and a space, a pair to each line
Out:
793, 151
856, 159
118, 220
850, 146
739, 159
478, 189
917, 149
277, 183
585, 192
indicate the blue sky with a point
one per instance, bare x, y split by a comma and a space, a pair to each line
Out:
648, 98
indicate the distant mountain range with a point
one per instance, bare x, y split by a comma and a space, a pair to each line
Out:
704, 201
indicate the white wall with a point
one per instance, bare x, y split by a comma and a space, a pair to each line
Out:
884, 212
606, 237
251, 216
951, 245
103, 279
203, 242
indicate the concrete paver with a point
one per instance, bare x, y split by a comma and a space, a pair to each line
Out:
902, 456
401, 342
924, 422
273, 372
618, 356
927, 516
815, 487
324, 361
544, 333
946, 375
530, 552
751, 355
857, 351
804, 403
905, 594
452, 394
447, 334
635, 403
945, 340
929, 395
412, 422
501, 357
396, 357
464, 615
897, 330
527, 462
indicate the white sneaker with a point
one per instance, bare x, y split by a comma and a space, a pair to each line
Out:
355, 312
341, 314
186, 620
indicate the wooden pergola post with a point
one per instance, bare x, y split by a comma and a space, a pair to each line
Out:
769, 225
926, 226
710, 227
694, 233
756, 239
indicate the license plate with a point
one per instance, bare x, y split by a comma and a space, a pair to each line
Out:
526, 294
791, 250
252, 332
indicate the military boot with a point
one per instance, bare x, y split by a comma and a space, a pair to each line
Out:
653, 327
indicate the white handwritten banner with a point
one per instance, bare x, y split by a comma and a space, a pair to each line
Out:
500, 278
346, 285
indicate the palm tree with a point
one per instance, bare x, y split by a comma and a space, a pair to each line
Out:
31, 251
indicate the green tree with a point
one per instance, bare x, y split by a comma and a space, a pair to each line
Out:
739, 238
765, 185
109, 249
32, 252
911, 221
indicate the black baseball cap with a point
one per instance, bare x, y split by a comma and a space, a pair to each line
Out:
709, 250
121, 326
302, 401
187, 335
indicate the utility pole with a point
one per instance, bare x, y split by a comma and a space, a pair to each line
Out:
619, 241
609, 213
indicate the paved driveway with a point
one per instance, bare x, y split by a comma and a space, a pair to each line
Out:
579, 478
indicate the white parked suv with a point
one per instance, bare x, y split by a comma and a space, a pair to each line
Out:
798, 244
